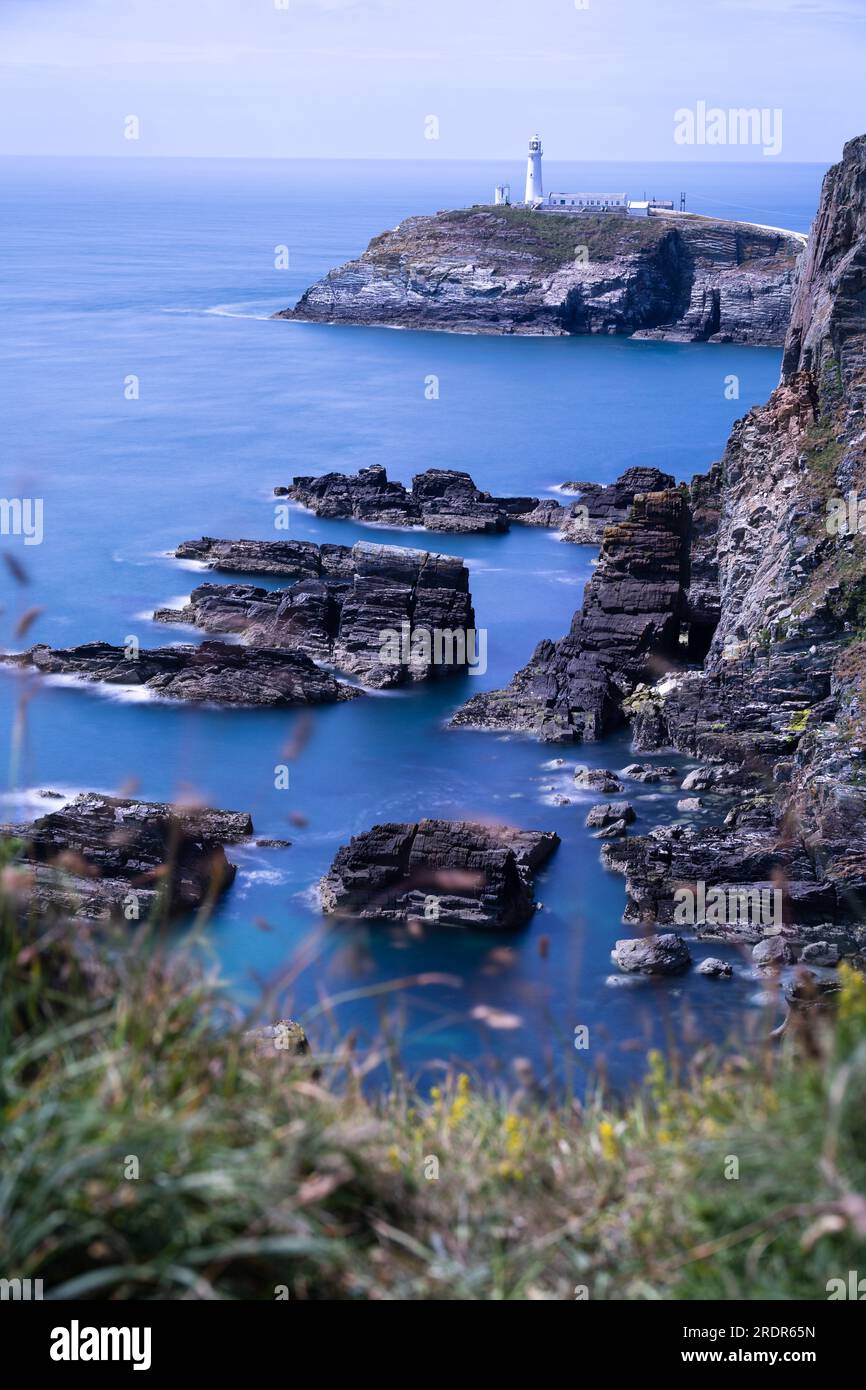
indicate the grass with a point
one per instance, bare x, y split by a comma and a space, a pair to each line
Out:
148, 1151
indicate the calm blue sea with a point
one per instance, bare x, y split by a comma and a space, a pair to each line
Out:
165, 270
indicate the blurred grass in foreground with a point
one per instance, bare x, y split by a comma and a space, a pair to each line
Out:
261, 1174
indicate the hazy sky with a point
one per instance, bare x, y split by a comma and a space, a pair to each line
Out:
358, 78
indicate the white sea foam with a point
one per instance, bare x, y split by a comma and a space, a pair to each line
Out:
197, 565
32, 801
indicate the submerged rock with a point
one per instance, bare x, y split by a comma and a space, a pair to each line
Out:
106, 856
446, 873
212, 673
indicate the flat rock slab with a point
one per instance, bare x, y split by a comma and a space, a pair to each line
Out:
213, 673
104, 856
447, 873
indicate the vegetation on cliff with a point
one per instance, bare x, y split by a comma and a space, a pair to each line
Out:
149, 1151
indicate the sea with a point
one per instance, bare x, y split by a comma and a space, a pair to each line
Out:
149, 398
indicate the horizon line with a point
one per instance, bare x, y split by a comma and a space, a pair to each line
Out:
419, 159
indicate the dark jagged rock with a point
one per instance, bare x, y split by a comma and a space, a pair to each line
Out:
448, 873
512, 270
629, 628
597, 505
104, 856
441, 499
213, 673
778, 702
599, 779
649, 772
665, 954
391, 615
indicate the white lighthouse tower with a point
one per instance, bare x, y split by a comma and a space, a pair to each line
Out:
534, 191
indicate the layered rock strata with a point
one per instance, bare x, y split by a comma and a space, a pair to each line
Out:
381, 613
445, 873
101, 857
512, 270
212, 673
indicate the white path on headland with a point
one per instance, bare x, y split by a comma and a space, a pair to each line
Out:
740, 221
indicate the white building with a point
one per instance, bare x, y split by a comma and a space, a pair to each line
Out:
577, 202
534, 191
587, 202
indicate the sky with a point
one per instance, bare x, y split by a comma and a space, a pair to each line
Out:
426, 79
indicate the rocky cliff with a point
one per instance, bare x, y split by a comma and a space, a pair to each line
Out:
728, 620
509, 270
780, 692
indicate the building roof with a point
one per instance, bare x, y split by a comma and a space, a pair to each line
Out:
599, 197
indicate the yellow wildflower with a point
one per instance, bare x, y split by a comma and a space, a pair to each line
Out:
607, 1140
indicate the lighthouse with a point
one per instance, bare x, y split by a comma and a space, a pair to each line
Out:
534, 191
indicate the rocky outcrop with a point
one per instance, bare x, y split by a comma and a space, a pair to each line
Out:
212, 673
665, 954
445, 873
598, 505
285, 1038
278, 559
778, 698
607, 812
442, 499
381, 613
101, 857
628, 629
715, 969
512, 270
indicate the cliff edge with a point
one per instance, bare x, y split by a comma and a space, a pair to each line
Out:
510, 270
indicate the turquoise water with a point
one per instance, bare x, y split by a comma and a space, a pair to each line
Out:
165, 271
